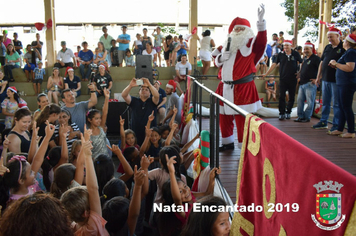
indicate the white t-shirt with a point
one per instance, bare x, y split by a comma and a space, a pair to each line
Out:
65, 56
152, 53
183, 68
138, 42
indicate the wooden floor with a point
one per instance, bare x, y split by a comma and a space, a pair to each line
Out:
341, 152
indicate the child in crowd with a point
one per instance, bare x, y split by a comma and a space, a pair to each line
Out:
114, 188
104, 167
137, 45
121, 214
271, 88
129, 59
128, 137
39, 72
114, 54
175, 191
208, 223
83, 203
96, 122
37, 214
19, 179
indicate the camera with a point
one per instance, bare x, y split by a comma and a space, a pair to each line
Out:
139, 81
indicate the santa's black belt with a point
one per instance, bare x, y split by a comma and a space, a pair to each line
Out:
243, 80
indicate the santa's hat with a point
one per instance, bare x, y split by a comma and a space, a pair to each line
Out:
239, 22
158, 82
68, 69
334, 31
288, 42
171, 84
13, 89
310, 45
351, 38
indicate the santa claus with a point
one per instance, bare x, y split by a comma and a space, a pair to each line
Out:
238, 60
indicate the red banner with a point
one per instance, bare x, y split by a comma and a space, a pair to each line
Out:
284, 188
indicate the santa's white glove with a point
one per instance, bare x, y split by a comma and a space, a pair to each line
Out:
224, 56
261, 13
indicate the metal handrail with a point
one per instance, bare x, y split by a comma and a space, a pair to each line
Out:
215, 99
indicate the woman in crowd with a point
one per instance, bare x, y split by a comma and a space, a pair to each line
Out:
19, 137
42, 102
150, 51
4, 84
54, 85
50, 113
30, 58
10, 105
12, 61
206, 45
100, 55
346, 83
65, 121
167, 49
72, 82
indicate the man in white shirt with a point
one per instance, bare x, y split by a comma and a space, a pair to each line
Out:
65, 57
275, 47
183, 68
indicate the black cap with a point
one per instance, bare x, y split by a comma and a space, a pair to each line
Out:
180, 36
124, 26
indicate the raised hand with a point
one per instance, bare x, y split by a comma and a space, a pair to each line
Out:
49, 129
175, 110
6, 143
174, 126
139, 176
122, 121
146, 82
106, 93
114, 148
86, 147
170, 163
87, 133
133, 83
261, 12
215, 171
151, 117
3, 169
146, 161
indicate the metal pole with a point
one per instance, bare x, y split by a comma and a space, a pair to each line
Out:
212, 131
217, 133
200, 107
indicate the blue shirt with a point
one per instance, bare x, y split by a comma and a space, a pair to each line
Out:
124, 46
39, 73
343, 77
86, 56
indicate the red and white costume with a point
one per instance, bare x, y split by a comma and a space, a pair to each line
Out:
240, 64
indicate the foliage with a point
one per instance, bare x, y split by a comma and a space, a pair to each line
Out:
343, 14
167, 29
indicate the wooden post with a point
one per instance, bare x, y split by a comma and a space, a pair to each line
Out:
325, 9
321, 26
193, 22
296, 22
50, 33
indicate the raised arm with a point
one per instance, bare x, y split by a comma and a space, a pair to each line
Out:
63, 133
105, 108
170, 135
154, 92
211, 185
135, 204
40, 154
122, 133
34, 142
174, 185
128, 172
126, 92
91, 180
144, 146
190, 143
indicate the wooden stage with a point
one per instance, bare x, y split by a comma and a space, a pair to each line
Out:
341, 152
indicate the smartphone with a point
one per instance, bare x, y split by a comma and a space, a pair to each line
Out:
139, 81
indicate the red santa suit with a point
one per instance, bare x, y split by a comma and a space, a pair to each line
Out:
237, 83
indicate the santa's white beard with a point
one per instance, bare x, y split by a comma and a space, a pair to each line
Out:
239, 39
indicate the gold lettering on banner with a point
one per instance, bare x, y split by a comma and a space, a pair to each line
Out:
239, 222
254, 145
268, 172
282, 232
351, 226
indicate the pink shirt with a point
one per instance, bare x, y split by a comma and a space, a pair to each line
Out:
94, 227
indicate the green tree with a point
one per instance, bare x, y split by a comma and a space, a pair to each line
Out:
343, 14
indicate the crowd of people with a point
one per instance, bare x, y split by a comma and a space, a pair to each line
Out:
56, 163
